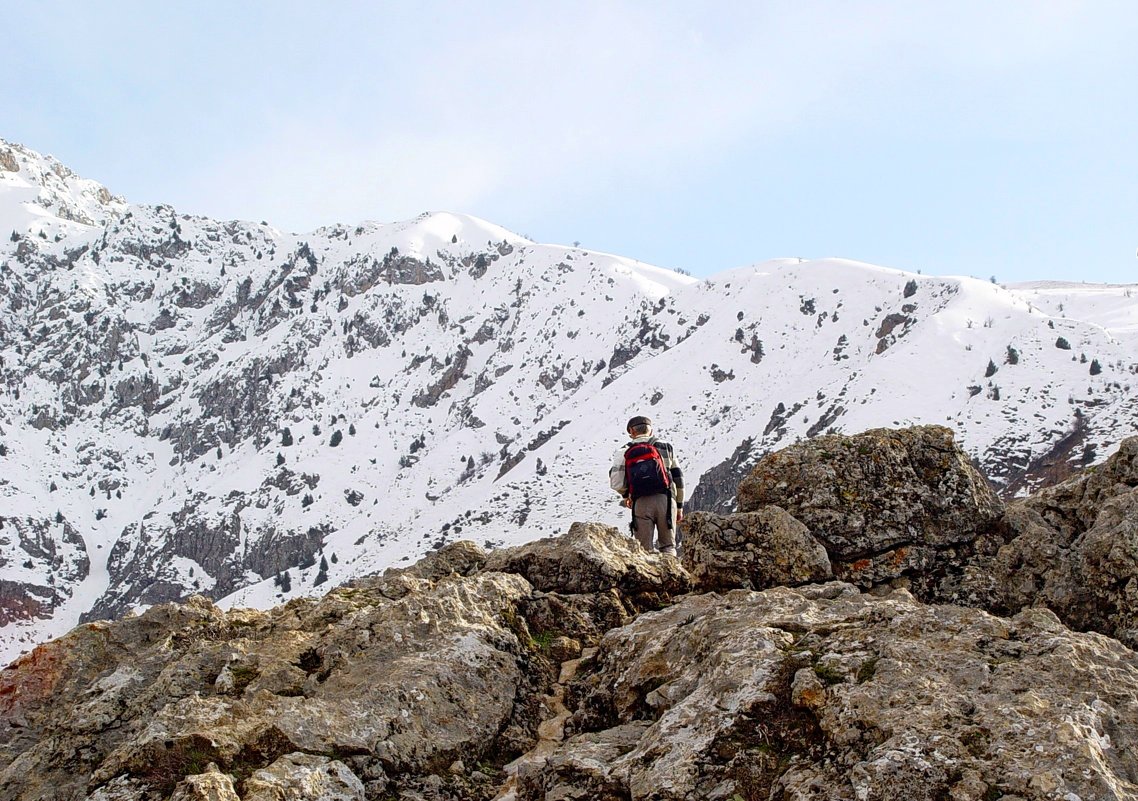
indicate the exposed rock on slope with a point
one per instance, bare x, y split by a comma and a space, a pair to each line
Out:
439, 681
905, 508
380, 687
1074, 548
386, 687
756, 550
866, 495
884, 504
826, 693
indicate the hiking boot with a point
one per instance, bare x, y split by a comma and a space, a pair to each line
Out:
670, 550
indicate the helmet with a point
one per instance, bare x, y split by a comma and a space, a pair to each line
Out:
635, 422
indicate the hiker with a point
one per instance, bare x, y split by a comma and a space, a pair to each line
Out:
646, 474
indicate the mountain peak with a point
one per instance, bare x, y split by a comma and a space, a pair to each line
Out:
42, 196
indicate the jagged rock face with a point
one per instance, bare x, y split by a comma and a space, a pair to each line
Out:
905, 508
884, 503
1074, 548
422, 682
592, 579
404, 686
56, 549
377, 689
754, 550
592, 558
826, 693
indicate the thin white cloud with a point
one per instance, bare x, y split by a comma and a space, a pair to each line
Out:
562, 98
527, 113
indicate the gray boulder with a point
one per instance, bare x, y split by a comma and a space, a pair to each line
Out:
384, 688
753, 550
212, 785
304, 776
402, 686
886, 503
593, 558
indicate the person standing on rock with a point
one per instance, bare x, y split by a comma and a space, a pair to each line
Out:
646, 474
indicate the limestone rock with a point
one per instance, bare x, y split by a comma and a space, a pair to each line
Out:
592, 579
822, 692
883, 503
406, 685
581, 770
1074, 548
422, 683
462, 558
213, 785
122, 788
592, 558
1074, 505
754, 550
584, 617
304, 777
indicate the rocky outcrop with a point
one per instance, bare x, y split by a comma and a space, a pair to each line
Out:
1074, 549
592, 558
906, 508
54, 546
423, 680
592, 579
391, 687
755, 550
885, 503
824, 692
439, 681
871, 492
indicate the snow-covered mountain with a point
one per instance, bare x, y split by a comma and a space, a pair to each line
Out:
188, 405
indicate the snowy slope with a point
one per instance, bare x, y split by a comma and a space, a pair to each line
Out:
189, 405
41, 196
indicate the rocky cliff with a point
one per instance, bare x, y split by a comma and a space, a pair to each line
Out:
582, 667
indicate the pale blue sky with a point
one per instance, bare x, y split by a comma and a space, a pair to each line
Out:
983, 138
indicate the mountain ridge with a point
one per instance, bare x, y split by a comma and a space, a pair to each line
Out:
442, 378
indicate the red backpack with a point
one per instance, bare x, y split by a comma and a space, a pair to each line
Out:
644, 471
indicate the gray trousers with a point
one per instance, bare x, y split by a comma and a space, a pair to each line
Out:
654, 513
